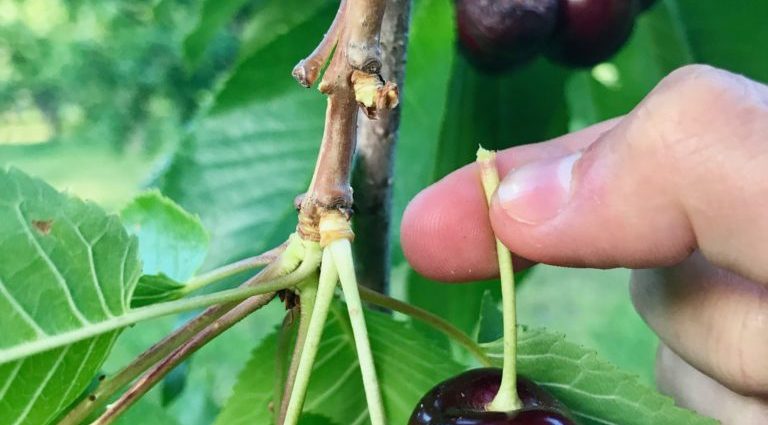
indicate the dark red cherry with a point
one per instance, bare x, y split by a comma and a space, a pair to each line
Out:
461, 400
591, 31
496, 35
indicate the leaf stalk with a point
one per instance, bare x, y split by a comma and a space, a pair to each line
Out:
286, 264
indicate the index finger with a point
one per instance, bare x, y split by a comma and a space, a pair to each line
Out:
446, 232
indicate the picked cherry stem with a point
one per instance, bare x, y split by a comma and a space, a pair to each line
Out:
506, 399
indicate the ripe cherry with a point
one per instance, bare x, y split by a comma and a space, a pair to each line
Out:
590, 31
496, 35
461, 400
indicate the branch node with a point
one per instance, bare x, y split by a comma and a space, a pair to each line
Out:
373, 94
325, 87
312, 214
305, 74
365, 56
334, 226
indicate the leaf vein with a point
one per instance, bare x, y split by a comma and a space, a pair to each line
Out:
59, 277
32, 400
92, 266
343, 377
21, 311
11, 378
77, 374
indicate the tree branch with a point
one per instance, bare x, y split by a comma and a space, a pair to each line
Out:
110, 386
373, 174
356, 51
308, 69
363, 48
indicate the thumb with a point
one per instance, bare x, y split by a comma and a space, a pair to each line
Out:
687, 169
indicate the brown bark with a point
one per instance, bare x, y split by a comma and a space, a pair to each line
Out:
357, 24
307, 70
363, 49
373, 174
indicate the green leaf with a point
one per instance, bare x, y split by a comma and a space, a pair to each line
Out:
147, 411
732, 37
172, 246
490, 327
277, 17
431, 54
596, 392
172, 242
657, 47
407, 365
65, 266
310, 419
155, 288
67, 274
174, 383
214, 15
498, 111
553, 297
457, 303
255, 149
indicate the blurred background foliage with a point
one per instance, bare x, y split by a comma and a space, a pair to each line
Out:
104, 97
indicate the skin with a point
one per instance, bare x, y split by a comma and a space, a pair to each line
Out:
676, 190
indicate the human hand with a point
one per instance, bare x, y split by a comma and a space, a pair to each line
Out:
677, 190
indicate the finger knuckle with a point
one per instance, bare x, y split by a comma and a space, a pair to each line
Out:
695, 111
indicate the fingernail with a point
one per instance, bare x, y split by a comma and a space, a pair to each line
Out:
537, 192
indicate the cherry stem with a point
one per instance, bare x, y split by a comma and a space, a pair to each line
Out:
307, 297
283, 346
325, 290
342, 257
431, 319
229, 270
506, 399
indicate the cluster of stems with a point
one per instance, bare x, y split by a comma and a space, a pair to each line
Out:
337, 266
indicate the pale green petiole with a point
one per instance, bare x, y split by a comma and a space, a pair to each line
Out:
308, 294
152, 311
325, 290
342, 256
229, 270
506, 399
337, 265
